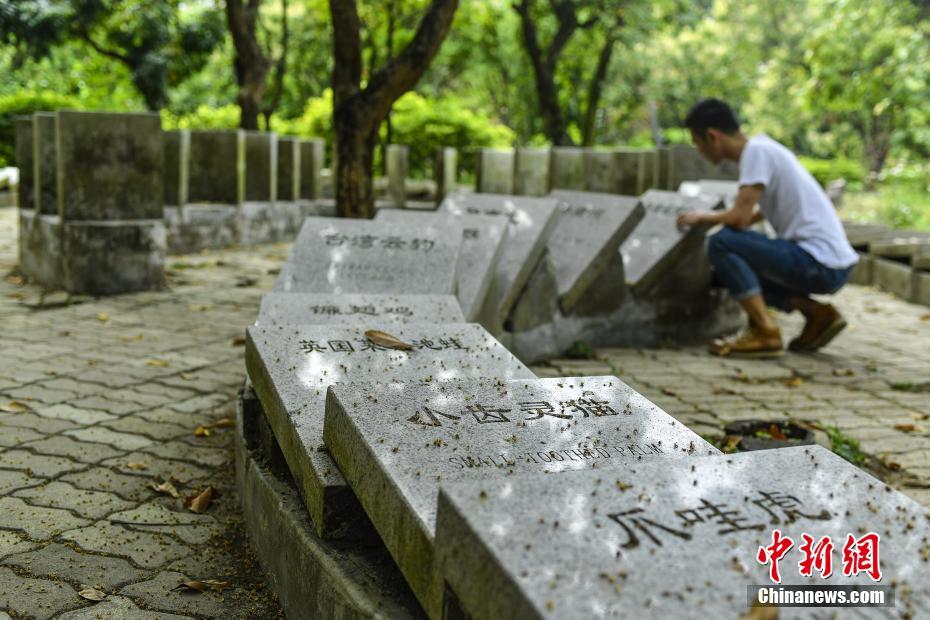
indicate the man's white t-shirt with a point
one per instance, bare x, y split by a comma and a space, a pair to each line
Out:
794, 203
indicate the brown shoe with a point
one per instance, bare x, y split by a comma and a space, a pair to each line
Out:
756, 341
819, 330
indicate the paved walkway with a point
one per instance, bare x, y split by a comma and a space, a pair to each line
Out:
101, 402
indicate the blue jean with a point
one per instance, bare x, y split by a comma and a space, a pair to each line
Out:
749, 263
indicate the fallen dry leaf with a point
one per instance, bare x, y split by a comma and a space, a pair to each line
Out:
200, 503
730, 442
776, 433
14, 406
199, 307
792, 381
905, 428
843, 372
166, 488
387, 340
20, 295
186, 376
103, 317
201, 431
136, 338
92, 594
238, 341
892, 465
137, 466
668, 391
223, 423
925, 317
157, 363
201, 585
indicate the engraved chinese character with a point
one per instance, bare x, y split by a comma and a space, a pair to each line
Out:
589, 406
541, 408
644, 525
817, 557
310, 346
470, 233
422, 244
483, 414
451, 343
393, 243
431, 419
708, 511
366, 309
341, 346
773, 553
426, 343
368, 345
861, 556
399, 310
335, 239
364, 242
330, 310
789, 505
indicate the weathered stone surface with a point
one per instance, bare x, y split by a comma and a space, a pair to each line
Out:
590, 229
61, 495
109, 166
659, 537
860, 236
531, 172
482, 246
313, 577
447, 171
894, 277
495, 171
217, 167
657, 244
531, 223
863, 271
901, 245
396, 443
290, 368
397, 167
288, 176
59, 561
538, 302
177, 151
334, 255
38, 522
117, 608
26, 190
383, 310
312, 153
261, 166
616, 171
145, 549
566, 168
663, 177
921, 292
41, 597
45, 165
687, 164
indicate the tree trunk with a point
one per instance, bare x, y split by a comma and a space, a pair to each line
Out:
355, 154
251, 64
594, 90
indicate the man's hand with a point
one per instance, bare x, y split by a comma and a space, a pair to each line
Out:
691, 218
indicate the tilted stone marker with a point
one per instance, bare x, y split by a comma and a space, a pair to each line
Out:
590, 230
288, 169
329, 309
177, 147
495, 171
290, 368
566, 168
657, 244
531, 172
482, 246
531, 222
396, 444
673, 539
217, 167
312, 153
333, 255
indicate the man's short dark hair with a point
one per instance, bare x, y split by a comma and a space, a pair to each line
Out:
711, 114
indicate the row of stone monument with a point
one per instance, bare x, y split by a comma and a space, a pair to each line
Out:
396, 459
897, 261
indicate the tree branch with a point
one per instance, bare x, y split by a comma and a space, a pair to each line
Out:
347, 50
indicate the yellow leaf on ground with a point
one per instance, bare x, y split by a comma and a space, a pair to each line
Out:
200, 431
200, 503
223, 423
166, 488
92, 594
386, 340
103, 317
238, 341
793, 381
157, 363
137, 466
14, 406
905, 428
136, 338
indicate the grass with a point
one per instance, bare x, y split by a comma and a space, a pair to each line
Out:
897, 204
846, 446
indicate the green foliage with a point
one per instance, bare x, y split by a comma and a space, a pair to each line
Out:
25, 103
845, 446
204, 117
826, 170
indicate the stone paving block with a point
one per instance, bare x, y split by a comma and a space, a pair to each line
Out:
131, 487
202, 403
118, 441
10, 480
207, 457
13, 542
158, 593
117, 608
89, 504
38, 522
70, 385
38, 464
140, 426
59, 561
109, 406
161, 468
168, 416
13, 437
58, 445
189, 527
145, 549
63, 411
37, 598
36, 394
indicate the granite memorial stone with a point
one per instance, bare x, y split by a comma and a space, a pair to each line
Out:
261, 166
290, 368
24, 160
45, 174
681, 538
495, 171
312, 153
531, 172
397, 164
567, 168
328, 309
288, 169
397, 443
217, 167
177, 145
447, 167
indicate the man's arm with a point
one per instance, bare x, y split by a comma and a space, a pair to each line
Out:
741, 215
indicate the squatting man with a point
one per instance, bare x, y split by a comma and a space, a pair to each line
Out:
810, 254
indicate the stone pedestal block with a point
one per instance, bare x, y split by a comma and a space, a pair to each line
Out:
531, 172
217, 167
24, 159
261, 166
862, 273
566, 168
397, 173
495, 171
103, 257
44, 166
177, 145
447, 167
893, 277
288, 169
312, 153
40, 249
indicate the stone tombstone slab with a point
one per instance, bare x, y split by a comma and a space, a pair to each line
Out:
601, 173
725, 190
657, 244
567, 168
531, 172
687, 164
447, 167
396, 444
397, 167
631, 171
590, 230
531, 222
290, 367
482, 246
312, 153
335, 255
217, 167
45, 173
288, 169
903, 244
677, 538
329, 309
177, 147
109, 166
261, 166
24, 147
495, 171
